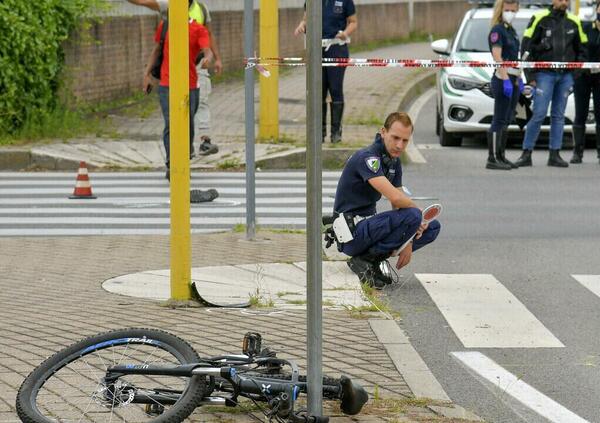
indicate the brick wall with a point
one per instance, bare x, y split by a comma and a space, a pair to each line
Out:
106, 61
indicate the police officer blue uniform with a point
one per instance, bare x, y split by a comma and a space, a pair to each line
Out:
506, 94
376, 235
587, 84
335, 15
339, 21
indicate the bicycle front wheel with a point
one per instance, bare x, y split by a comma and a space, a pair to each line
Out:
70, 386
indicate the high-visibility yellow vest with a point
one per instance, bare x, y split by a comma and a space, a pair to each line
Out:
196, 13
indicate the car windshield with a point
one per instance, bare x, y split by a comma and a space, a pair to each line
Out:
475, 34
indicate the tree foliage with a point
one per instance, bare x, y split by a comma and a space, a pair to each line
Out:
31, 56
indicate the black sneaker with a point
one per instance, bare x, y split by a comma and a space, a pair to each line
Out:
384, 276
199, 196
207, 148
365, 270
168, 175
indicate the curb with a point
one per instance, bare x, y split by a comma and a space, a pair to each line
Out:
332, 158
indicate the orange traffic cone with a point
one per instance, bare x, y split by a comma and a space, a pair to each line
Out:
83, 189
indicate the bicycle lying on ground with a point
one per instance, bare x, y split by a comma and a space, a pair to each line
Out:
149, 375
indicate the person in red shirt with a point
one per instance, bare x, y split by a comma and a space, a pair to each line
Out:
199, 41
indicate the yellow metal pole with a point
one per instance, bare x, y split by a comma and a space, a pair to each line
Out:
268, 124
180, 150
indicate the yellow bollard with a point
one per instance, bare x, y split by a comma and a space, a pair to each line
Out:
180, 150
268, 123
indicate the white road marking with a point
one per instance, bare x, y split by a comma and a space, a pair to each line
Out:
484, 314
591, 282
498, 378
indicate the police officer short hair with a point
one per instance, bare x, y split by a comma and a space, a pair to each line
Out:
401, 117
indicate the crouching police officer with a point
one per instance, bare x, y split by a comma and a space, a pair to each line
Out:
370, 173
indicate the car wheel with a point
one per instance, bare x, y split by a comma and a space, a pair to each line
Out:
447, 139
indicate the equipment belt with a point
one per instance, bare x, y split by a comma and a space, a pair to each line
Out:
358, 218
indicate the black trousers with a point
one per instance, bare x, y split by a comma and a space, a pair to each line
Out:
333, 76
586, 85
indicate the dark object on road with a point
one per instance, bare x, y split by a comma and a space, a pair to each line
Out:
207, 148
208, 303
200, 196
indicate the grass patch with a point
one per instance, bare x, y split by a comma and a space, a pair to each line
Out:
75, 121
370, 120
284, 293
296, 302
229, 164
376, 305
286, 231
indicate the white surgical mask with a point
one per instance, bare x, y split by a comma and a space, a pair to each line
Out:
508, 16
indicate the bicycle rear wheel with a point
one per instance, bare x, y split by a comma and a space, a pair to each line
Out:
69, 386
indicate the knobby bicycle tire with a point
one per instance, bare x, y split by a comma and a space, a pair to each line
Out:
68, 386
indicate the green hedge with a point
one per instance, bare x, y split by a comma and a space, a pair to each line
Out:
31, 57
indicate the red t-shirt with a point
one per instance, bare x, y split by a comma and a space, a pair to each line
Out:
199, 39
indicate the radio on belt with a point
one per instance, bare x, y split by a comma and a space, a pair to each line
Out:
342, 229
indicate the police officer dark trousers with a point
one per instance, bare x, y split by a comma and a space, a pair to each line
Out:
339, 21
506, 82
368, 174
333, 83
587, 83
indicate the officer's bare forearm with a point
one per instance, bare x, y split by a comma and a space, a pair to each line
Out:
351, 25
402, 201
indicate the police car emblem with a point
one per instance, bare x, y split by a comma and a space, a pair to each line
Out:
373, 163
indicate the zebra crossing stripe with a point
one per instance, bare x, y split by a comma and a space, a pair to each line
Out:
484, 314
591, 282
496, 378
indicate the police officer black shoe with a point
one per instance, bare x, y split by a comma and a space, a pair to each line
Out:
525, 159
337, 111
578, 144
555, 160
493, 163
168, 175
493, 140
365, 270
502, 148
576, 158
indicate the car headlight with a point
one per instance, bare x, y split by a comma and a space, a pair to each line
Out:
464, 84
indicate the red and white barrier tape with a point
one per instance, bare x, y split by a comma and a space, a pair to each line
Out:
415, 63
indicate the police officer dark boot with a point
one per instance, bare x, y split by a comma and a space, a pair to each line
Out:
364, 268
525, 159
493, 138
578, 144
337, 112
502, 149
324, 122
555, 160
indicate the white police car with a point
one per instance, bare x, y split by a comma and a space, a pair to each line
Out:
464, 99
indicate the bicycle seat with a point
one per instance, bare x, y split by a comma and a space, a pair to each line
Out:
353, 396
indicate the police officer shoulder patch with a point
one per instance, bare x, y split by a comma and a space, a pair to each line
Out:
373, 163
494, 37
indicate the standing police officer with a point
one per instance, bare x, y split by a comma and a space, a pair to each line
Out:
506, 82
552, 35
587, 83
339, 21
370, 173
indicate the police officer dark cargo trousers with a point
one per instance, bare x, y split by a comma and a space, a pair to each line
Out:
385, 232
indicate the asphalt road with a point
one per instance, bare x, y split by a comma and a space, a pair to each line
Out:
532, 229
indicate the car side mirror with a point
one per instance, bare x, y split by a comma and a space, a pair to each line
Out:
441, 46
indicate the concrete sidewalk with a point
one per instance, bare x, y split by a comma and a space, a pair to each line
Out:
370, 94
52, 295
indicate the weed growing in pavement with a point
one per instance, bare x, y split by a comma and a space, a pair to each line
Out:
296, 302
229, 164
257, 299
376, 305
370, 120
